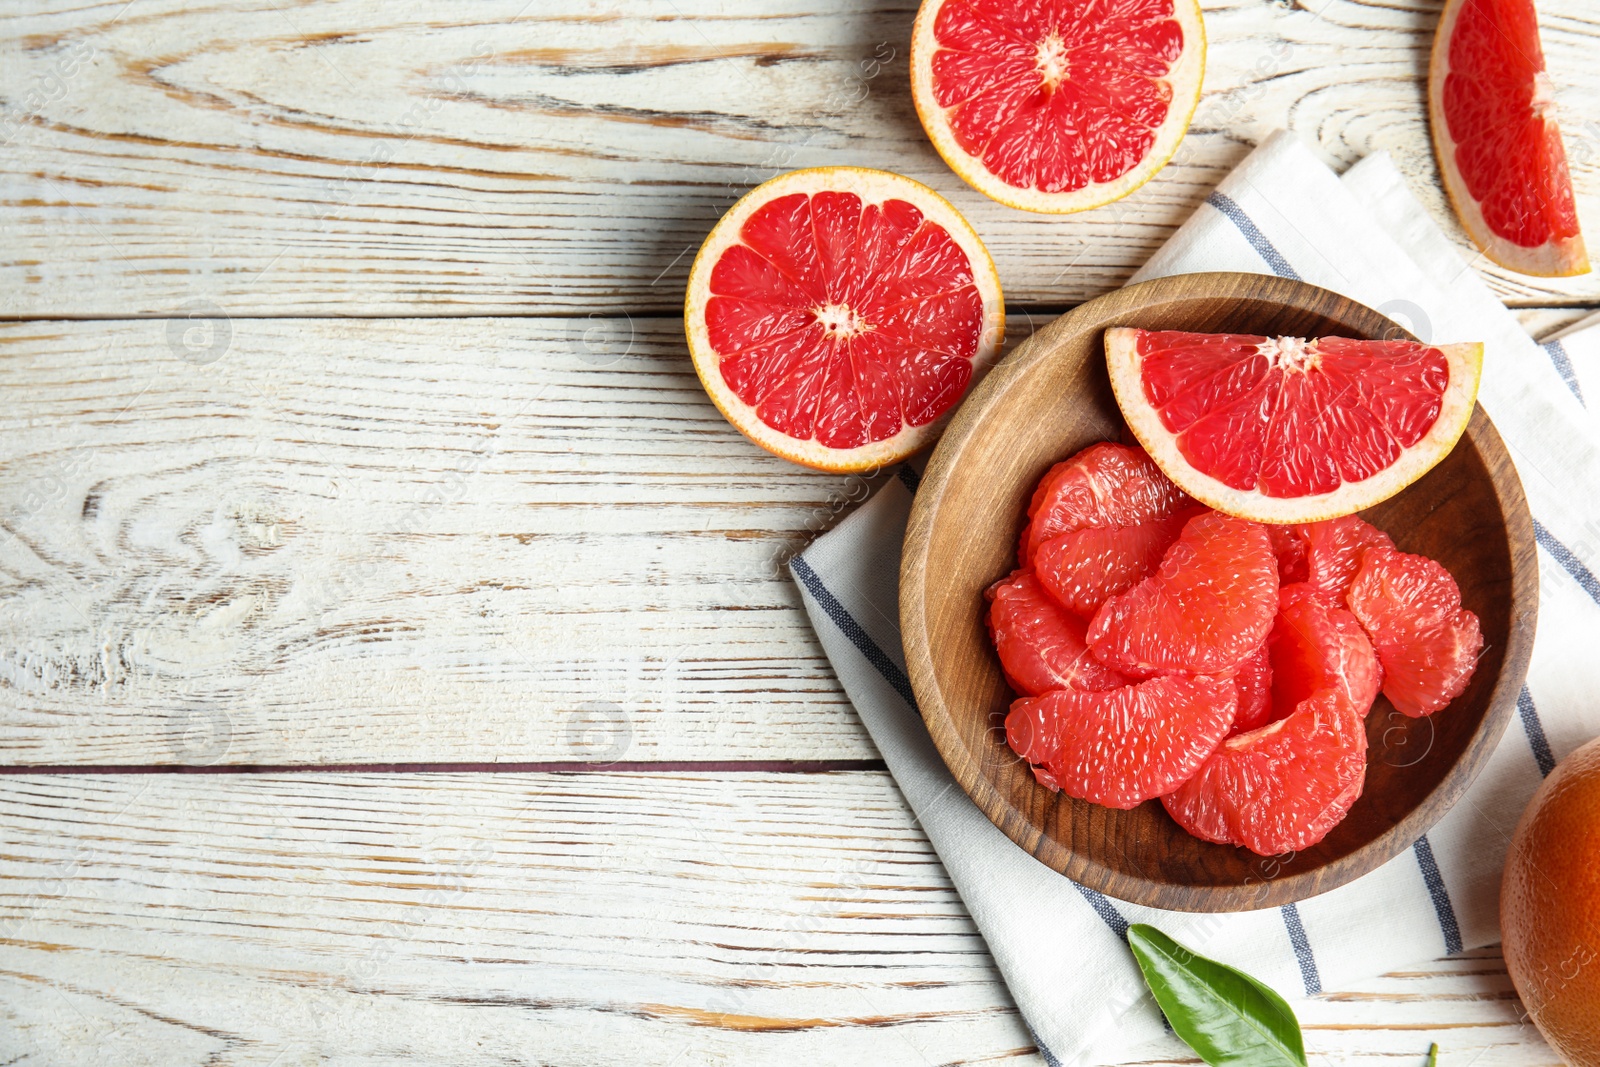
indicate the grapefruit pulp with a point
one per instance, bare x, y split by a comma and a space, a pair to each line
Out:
1056, 107
836, 315
1285, 430
1492, 110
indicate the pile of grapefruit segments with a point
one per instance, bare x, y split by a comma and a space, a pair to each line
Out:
1163, 649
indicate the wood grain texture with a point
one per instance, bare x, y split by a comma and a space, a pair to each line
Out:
375, 541
1050, 399
368, 158
578, 920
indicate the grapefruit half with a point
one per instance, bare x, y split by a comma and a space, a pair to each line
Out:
1057, 107
1285, 430
836, 315
1492, 110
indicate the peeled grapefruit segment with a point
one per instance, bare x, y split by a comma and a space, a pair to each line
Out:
1492, 110
1056, 107
836, 315
1041, 647
1428, 644
1334, 548
1208, 606
1316, 644
1083, 568
1106, 484
1123, 746
1255, 685
1285, 430
1280, 788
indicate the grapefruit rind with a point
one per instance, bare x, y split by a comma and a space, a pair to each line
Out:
1185, 77
1125, 364
1561, 258
873, 187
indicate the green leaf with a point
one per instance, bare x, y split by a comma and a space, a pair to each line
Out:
1433, 1055
1227, 1017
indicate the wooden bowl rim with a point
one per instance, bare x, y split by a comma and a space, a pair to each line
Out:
1085, 869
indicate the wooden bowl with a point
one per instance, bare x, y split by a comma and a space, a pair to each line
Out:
1050, 398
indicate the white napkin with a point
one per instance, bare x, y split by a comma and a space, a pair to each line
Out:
1061, 946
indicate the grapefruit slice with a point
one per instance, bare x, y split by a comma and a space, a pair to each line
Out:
1285, 430
837, 315
1492, 110
1056, 107
1411, 608
1207, 607
1124, 746
1280, 788
1041, 647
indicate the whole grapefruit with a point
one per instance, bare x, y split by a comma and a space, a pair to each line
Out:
1550, 908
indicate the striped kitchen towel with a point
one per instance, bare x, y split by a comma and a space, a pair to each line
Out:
1061, 946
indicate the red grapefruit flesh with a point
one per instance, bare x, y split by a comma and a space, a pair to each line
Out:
1104, 485
1255, 684
1316, 644
1289, 545
1333, 551
1208, 606
1123, 746
1285, 430
1492, 110
1280, 788
1083, 568
1428, 644
837, 315
1041, 647
1061, 106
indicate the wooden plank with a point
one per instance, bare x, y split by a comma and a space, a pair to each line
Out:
559, 919
388, 540
368, 158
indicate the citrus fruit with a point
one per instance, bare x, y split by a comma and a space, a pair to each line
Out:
1285, 430
1056, 107
1333, 551
1041, 647
1316, 644
1081, 569
1492, 110
1209, 604
1282, 787
1549, 903
1428, 644
1289, 545
1106, 484
1254, 682
1123, 746
835, 315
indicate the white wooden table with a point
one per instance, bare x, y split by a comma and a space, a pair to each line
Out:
352, 464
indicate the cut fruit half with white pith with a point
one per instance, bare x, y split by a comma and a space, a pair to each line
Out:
1057, 107
836, 316
1288, 430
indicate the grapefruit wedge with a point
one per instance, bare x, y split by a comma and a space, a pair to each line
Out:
836, 316
1285, 430
1057, 107
1492, 111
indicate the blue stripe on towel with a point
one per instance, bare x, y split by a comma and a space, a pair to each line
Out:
908, 478
1535, 731
1558, 355
851, 629
1258, 240
1105, 909
1441, 896
1302, 949
1569, 562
